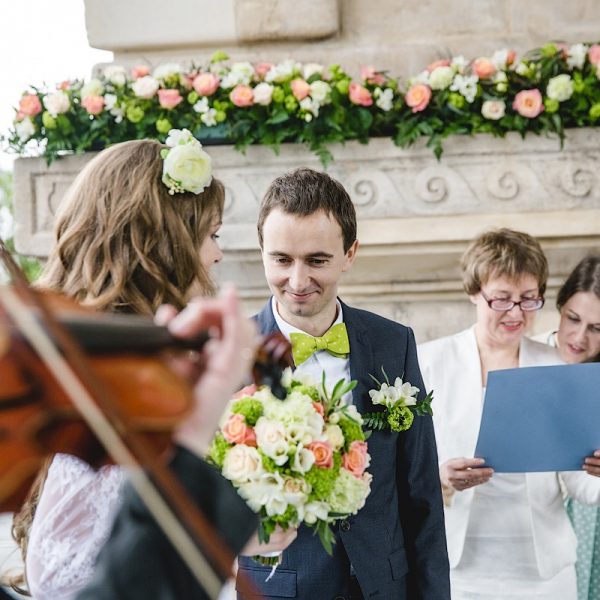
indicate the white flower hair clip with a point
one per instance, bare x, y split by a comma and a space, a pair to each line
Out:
187, 167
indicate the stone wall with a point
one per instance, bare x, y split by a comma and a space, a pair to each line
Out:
401, 36
416, 215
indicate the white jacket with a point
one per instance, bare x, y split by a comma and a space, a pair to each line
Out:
451, 368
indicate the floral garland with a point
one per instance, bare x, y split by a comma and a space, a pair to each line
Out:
543, 92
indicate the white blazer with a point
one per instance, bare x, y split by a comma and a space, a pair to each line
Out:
451, 368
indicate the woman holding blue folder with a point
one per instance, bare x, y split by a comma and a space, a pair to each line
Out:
508, 534
578, 340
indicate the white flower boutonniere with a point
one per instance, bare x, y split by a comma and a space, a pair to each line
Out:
400, 402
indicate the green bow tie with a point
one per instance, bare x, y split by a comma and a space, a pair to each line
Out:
335, 341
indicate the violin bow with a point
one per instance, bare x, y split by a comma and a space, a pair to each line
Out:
73, 373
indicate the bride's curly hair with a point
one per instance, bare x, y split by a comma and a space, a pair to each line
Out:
123, 242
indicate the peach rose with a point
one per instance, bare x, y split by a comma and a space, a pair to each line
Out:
370, 75
528, 103
241, 95
250, 437
323, 454
93, 104
319, 408
246, 391
206, 84
418, 97
140, 71
511, 57
443, 62
356, 460
300, 89
235, 430
483, 68
29, 106
594, 54
64, 85
360, 95
169, 98
261, 69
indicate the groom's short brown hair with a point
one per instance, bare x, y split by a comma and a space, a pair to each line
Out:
303, 192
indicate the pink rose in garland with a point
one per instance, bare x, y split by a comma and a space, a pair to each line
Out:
356, 460
242, 96
206, 84
370, 75
140, 71
528, 103
594, 54
443, 62
483, 68
29, 106
93, 104
418, 97
360, 95
300, 89
169, 98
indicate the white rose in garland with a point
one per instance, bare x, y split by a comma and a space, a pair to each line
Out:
57, 103
186, 168
560, 88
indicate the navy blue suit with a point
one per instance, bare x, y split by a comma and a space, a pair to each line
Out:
396, 544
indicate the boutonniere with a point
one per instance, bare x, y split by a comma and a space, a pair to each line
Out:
400, 403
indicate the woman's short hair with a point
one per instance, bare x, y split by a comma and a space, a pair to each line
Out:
503, 252
585, 277
123, 242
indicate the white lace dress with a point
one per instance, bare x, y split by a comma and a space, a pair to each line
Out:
72, 522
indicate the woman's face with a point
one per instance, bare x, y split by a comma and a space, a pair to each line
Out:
579, 330
210, 252
505, 328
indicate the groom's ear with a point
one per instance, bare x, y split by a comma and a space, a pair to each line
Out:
351, 255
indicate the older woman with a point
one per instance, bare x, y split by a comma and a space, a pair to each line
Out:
578, 340
508, 534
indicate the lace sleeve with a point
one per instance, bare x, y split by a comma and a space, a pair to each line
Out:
71, 523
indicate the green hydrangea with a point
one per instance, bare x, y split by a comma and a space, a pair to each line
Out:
309, 390
135, 114
595, 111
163, 125
348, 494
400, 418
193, 97
218, 449
220, 116
48, 120
352, 431
278, 94
457, 100
323, 480
249, 408
291, 104
551, 105
343, 86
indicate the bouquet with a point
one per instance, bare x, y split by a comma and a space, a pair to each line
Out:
298, 460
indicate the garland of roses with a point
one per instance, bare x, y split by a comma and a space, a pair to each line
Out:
543, 92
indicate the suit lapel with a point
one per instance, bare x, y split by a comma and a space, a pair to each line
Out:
361, 359
266, 320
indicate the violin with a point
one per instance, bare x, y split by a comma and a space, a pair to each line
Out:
101, 387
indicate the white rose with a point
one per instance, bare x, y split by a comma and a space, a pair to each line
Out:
522, 69
560, 87
303, 460
188, 167
310, 106
145, 87
209, 117
271, 439
459, 64
109, 101
263, 93
295, 491
240, 73
25, 129
314, 511
57, 103
283, 71
500, 58
93, 87
441, 78
335, 436
384, 98
167, 70
241, 463
310, 69
576, 56
320, 92
116, 74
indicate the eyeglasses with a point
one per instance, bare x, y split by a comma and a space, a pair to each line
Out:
503, 305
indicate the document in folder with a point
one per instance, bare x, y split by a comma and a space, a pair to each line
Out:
540, 418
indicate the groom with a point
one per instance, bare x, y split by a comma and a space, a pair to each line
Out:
395, 547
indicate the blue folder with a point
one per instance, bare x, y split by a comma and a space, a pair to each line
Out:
540, 418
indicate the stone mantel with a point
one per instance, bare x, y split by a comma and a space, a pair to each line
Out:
416, 214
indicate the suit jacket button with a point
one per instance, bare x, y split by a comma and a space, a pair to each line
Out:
345, 525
